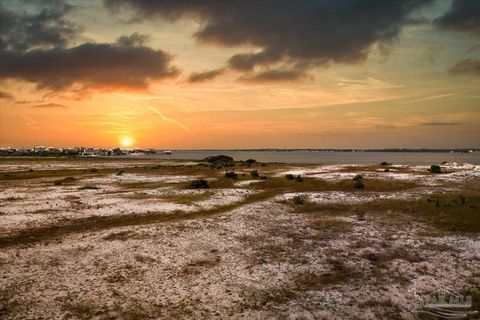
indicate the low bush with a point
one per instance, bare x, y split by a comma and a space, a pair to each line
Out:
250, 162
298, 178
290, 176
254, 173
384, 163
199, 184
435, 168
231, 175
220, 161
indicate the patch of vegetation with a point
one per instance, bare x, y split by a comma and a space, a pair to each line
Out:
453, 212
89, 187
290, 176
339, 274
66, 180
298, 200
331, 225
98, 223
435, 168
220, 161
120, 236
188, 198
199, 184
254, 173
384, 163
311, 184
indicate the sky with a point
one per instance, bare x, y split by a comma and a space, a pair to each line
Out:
214, 74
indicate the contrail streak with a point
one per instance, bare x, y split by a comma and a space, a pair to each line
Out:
164, 118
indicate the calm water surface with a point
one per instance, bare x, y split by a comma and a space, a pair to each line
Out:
324, 157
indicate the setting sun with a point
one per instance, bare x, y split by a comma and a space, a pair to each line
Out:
126, 141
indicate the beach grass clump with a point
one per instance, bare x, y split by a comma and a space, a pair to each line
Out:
385, 163
199, 184
254, 174
435, 168
290, 176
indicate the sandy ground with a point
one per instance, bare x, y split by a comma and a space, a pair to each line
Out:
252, 260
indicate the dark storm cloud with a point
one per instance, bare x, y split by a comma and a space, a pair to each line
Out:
277, 76
205, 76
290, 32
5, 95
466, 66
463, 16
91, 65
44, 27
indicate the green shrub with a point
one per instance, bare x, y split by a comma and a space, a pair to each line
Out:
358, 184
231, 175
435, 168
384, 163
199, 184
254, 173
290, 176
358, 177
298, 178
250, 162
220, 161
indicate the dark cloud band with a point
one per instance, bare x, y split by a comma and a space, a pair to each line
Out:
90, 65
289, 32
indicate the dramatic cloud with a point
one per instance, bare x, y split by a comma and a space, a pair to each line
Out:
277, 76
298, 34
90, 65
5, 95
205, 76
35, 46
133, 40
463, 16
47, 27
466, 66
